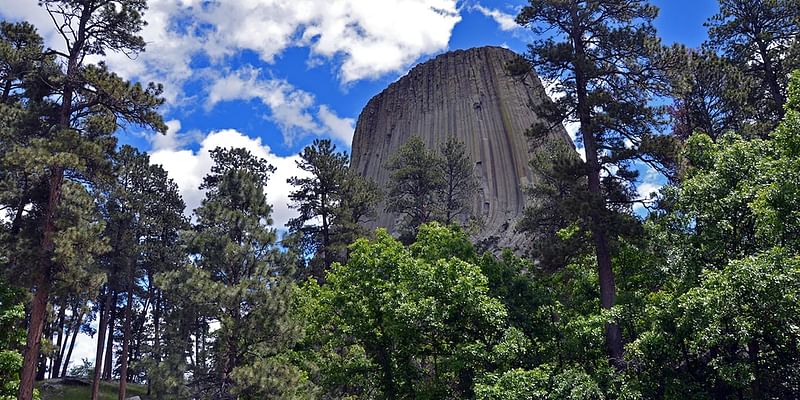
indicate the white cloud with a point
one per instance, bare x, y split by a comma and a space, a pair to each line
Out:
365, 38
647, 189
652, 182
169, 140
504, 20
291, 109
377, 37
340, 128
362, 39
187, 168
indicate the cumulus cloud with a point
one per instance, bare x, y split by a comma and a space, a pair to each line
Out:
340, 128
365, 38
362, 39
292, 109
505, 21
187, 168
170, 140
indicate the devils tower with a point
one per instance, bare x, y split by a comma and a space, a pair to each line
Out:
468, 94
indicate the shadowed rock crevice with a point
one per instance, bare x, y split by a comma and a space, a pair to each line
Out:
468, 94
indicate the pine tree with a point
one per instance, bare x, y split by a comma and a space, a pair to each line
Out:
359, 200
317, 196
460, 181
430, 185
758, 37
92, 102
241, 277
710, 95
332, 202
144, 213
600, 53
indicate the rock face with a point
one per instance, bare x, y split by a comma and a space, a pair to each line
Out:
470, 95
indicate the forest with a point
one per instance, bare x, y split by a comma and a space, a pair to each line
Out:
689, 293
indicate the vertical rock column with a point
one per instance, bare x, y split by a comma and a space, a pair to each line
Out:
468, 94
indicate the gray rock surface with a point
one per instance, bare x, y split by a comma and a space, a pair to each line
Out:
468, 94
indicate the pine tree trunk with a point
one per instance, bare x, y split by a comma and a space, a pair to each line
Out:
326, 237
126, 338
41, 369
597, 207
35, 327
156, 337
141, 319
76, 330
55, 366
101, 335
771, 77
108, 364
47, 245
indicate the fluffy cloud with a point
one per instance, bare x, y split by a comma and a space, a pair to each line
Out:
293, 110
341, 128
363, 39
170, 140
366, 38
504, 20
187, 168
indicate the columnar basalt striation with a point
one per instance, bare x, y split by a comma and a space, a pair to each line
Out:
468, 94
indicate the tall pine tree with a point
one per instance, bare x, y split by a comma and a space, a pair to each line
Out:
240, 275
91, 103
758, 37
332, 202
600, 54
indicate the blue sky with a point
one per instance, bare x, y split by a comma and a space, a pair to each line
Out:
272, 75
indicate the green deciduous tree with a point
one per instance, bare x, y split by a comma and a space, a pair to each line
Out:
397, 322
719, 325
12, 338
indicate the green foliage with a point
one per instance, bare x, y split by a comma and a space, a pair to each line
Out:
460, 181
12, 338
758, 37
238, 280
544, 383
415, 183
83, 370
412, 322
721, 325
429, 185
337, 196
710, 95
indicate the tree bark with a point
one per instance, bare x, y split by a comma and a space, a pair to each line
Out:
35, 327
108, 365
126, 338
55, 366
101, 335
599, 235
771, 77
76, 330
56, 181
156, 337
